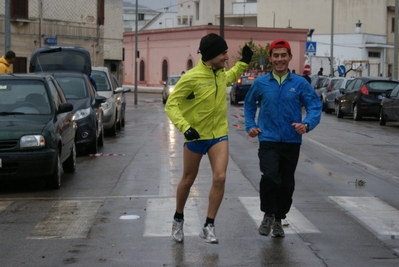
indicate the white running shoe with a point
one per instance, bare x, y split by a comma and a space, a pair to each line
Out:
208, 233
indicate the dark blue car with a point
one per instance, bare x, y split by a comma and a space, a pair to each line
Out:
240, 88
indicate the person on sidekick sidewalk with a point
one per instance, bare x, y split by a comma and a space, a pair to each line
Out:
279, 128
198, 108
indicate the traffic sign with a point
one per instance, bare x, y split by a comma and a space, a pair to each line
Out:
311, 48
341, 70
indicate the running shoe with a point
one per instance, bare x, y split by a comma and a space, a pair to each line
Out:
177, 230
266, 224
208, 233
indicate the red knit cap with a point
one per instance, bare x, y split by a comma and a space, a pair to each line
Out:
279, 44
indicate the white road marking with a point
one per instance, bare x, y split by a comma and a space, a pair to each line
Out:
67, 219
160, 215
4, 205
377, 215
297, 222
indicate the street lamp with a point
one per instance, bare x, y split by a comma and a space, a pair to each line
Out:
310, 33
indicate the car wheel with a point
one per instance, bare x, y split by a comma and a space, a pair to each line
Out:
231, 98
118, 124
123, 119
323, 107
383, 120
101, 137
356, 113
163, 100
338, 111
54, 180
69, 165
326, 109
92, 148
112, 130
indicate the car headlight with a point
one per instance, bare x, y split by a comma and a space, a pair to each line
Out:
82, 113
106, 105
171, 89
32, 141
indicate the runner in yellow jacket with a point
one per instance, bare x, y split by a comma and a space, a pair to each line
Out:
198, 108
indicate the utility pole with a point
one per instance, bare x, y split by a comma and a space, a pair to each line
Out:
222, 18
395, 47
135, 55
332, 40
7, 32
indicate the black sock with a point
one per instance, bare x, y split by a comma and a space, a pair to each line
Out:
179, 216
208, 221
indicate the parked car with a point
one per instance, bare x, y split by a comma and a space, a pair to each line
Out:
330, 96
362, 97
112, 107
389, 110
168, 87
322, 87
37, 129
318, 82
239, 88
87, 109
123, 99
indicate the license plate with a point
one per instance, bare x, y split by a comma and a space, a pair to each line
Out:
1, 164
379, 96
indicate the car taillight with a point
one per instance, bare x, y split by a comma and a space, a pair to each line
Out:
329, 85
364, 90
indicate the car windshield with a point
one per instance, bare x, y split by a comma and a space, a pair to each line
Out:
74, 88
173, 80
381, 85
23, 97
101, 80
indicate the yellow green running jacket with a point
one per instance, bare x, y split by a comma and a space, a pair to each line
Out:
199, 100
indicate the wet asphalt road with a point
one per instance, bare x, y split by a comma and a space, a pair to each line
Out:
116, 210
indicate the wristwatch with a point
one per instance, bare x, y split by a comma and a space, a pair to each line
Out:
307, 127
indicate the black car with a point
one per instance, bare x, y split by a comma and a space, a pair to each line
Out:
390, 107
123, 99
37, 130
87, 109
240, 88
362, 97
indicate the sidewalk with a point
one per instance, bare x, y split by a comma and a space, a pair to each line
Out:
145, 89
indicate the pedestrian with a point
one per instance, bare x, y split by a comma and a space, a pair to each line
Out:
279, 128
198, 108
306, 76
6, 61
320, 73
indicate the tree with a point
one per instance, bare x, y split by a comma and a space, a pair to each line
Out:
260, 56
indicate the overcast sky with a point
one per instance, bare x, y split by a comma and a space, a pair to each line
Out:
157, 5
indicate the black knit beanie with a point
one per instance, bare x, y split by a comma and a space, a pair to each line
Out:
212, 49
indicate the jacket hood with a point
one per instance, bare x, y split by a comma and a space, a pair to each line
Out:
4, 61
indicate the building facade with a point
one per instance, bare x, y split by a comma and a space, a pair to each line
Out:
96, 25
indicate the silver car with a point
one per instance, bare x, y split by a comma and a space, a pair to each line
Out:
331, 95
112, 107
168, 87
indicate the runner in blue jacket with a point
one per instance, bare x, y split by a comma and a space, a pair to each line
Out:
279, 127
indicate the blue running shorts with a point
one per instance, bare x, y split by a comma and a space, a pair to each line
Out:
202, 146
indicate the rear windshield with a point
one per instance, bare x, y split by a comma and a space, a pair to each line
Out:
381, 85
101, 80
74, 88
23, 97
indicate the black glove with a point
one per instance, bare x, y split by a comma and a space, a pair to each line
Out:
246, 54
191, 134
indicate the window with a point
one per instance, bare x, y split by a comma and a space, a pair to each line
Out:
142, 71
374, 54
141, 16
101, 16
164, 70
393, 25
19, 9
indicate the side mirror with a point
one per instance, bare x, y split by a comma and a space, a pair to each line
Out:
64, 107
98, 100
127, 89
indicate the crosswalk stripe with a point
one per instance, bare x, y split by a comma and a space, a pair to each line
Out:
373, 212
297, 222
4, 205
160, 215
67, 219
